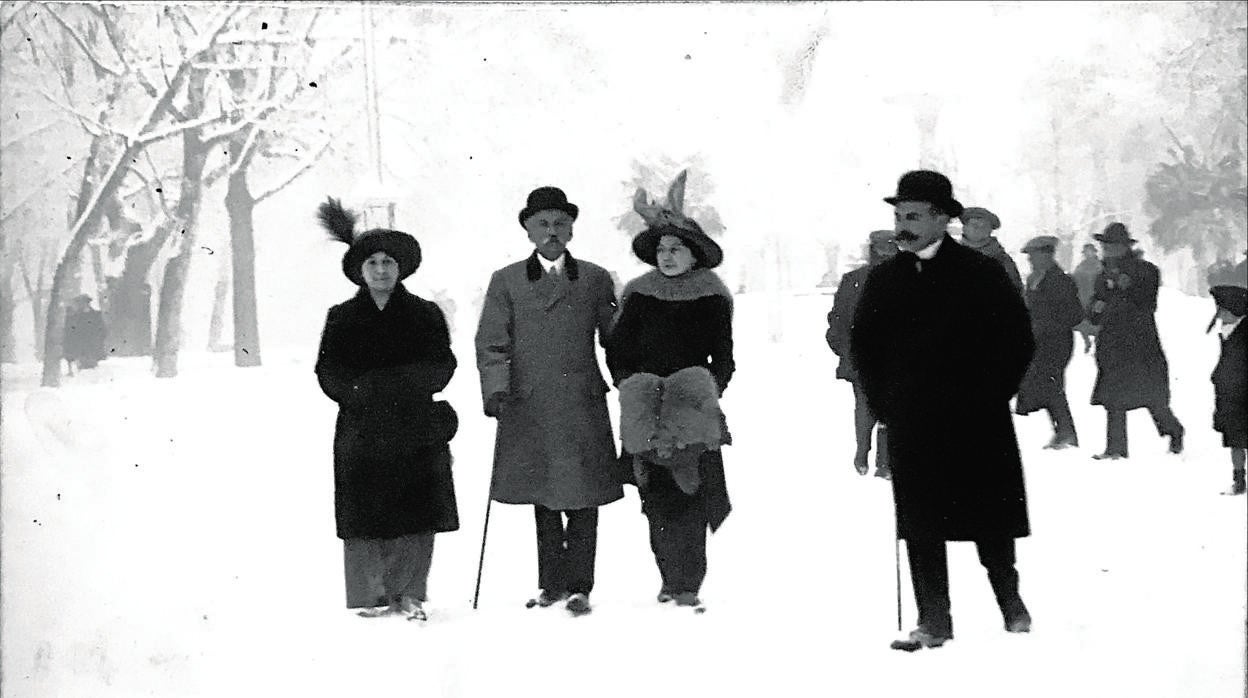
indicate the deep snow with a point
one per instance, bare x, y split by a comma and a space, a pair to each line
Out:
175, 538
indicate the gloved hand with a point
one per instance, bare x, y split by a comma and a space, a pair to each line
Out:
494, 403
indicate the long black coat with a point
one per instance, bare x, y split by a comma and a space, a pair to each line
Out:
841, 318
392, 465
661, 337
1055, 310
939, 353
1230, 389
1132, 370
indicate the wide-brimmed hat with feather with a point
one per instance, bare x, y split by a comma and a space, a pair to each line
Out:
668, 218
341, 226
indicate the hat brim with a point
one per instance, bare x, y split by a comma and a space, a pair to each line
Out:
952, 207
708, 252
402, 247
569, 208
1101, 237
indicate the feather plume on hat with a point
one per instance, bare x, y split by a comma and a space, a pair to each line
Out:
337, 220
669, 212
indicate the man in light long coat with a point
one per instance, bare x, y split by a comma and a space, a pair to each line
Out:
540, 378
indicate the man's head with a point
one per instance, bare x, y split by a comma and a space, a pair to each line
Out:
547, 218
978, 224
1089, 251
1115, 242
922, 208
1040, 252
882, 245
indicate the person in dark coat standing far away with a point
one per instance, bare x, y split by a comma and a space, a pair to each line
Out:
540, 378
941, 340
1053, 302
670, 354
384, 354
881, 246
1230, 376
1084, 275
1132, 371
978, 225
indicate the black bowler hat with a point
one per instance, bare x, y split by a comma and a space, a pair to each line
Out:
929, 187
341, 225
547, 199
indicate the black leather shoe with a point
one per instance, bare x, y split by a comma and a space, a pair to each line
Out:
918, 639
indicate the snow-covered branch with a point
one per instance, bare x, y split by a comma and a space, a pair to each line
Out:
12, 16
297, 172
89, 123
35, 191
82, 44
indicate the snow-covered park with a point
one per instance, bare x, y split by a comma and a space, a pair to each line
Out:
175, 538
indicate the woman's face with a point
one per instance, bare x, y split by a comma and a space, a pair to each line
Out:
673, 257
380, 272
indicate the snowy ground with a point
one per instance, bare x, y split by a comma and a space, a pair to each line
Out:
175, 538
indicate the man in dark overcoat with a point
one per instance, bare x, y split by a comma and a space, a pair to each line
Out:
1131, 368
978, 228
540, 378
1084, 275
880, 246
941, 340
1053, 302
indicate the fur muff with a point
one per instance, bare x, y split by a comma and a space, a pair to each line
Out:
671, 421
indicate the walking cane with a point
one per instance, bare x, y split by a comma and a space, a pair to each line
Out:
897, 568
481, 561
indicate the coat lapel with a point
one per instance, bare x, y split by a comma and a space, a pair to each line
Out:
549, 292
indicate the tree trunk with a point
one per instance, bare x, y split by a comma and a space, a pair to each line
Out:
220, 295
8, 348
241, 205
173, 287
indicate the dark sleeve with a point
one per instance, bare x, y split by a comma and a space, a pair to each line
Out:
722, 363
337, 380
1011, 270
866, 344
621, 361
1142, 292
841, 316
1100, 294
1009, 342
1068, 301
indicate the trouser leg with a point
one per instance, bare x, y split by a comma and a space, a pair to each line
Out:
998, 558
1116, 431
678, 539
362, 570
551, 550
407, 562
929, 575
1163, 418
864, 421
582, 548
1063, 420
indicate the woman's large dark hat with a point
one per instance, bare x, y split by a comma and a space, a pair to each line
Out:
341, 225
929, 187
547, 199
667, 219
1115, 232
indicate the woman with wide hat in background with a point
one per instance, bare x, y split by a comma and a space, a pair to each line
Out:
384, 354
670, 354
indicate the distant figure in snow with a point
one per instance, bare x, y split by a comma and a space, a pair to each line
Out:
978, 225
1084, 275
1230, 376
670, 354
940, 341
1053, 303
540, 379
84, 335
881, 247
1132, 371
384, 354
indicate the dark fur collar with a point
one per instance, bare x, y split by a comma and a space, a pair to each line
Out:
535, 270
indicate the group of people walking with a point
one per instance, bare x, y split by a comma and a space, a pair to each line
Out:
937, 338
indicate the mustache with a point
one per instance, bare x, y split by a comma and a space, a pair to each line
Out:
906, 236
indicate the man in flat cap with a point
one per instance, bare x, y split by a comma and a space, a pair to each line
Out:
941, 377
1053, 302
540, 378
978, 225
880, 247
1131, 368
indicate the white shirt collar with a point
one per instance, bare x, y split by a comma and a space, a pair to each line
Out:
1228, 328
555, 266
930, 251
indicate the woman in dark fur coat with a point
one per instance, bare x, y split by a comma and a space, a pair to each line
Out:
1230, 377
384, 354
670, 354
